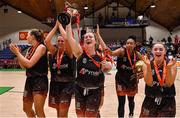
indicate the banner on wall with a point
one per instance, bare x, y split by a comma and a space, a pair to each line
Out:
23, 35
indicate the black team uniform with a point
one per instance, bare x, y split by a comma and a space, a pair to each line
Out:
159, 101
126, 82
36, 81
89, 85
62, 81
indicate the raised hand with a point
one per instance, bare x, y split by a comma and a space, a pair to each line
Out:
97, 29
106, 66
171, 62
14, 48
146, 60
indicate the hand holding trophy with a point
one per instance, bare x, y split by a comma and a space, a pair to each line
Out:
139, 71
64, 17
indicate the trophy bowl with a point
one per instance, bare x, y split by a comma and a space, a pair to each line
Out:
64, 17
139, 65
139, 71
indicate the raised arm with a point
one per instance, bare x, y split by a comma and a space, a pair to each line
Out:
116, 52
48, 39
99, 38
64, 35
75, 46
171, 72
147, 72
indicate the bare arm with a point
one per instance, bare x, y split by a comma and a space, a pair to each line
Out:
147, 72
22, 66
40, 51
99, 38
171, 73
106, 66
116, 52
61, 29
64, 35
76, 48
47, 41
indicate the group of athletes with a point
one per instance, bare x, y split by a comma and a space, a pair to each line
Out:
90, 61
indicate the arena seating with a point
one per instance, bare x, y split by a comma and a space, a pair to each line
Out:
8, 59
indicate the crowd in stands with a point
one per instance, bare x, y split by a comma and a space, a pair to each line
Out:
5, 44
172, 46
8, 59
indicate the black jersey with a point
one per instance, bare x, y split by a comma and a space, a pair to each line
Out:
156, 90
65, 72
88, 74
39, 69
124, 69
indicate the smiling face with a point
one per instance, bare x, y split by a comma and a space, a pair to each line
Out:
130, 44
89, 40
60, 41
158, 51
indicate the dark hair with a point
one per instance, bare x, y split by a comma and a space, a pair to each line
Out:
159, 43
132, 37
38, 34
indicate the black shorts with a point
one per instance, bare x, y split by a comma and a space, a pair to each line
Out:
89, 102
35, 85
123, 90
158, 107
125, 86
60, 94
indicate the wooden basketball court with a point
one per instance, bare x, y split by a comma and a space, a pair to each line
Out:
11, 101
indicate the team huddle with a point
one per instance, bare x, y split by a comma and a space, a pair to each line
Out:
78, 68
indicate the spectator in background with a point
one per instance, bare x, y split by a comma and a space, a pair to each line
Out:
151, 41
170, 47
35, 62
176, 43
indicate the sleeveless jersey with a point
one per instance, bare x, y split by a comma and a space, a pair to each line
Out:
65, 73
156, 90
124, 69
88, 74
39, 69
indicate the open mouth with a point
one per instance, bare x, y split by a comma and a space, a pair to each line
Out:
158, 55
88, 42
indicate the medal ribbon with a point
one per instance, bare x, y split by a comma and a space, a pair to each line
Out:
161, 80
98, 64
59, 58
108, 57
129, 58
31, 51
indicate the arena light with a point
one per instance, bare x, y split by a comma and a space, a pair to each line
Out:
19, 11
86, 7
140, 17
153, 5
